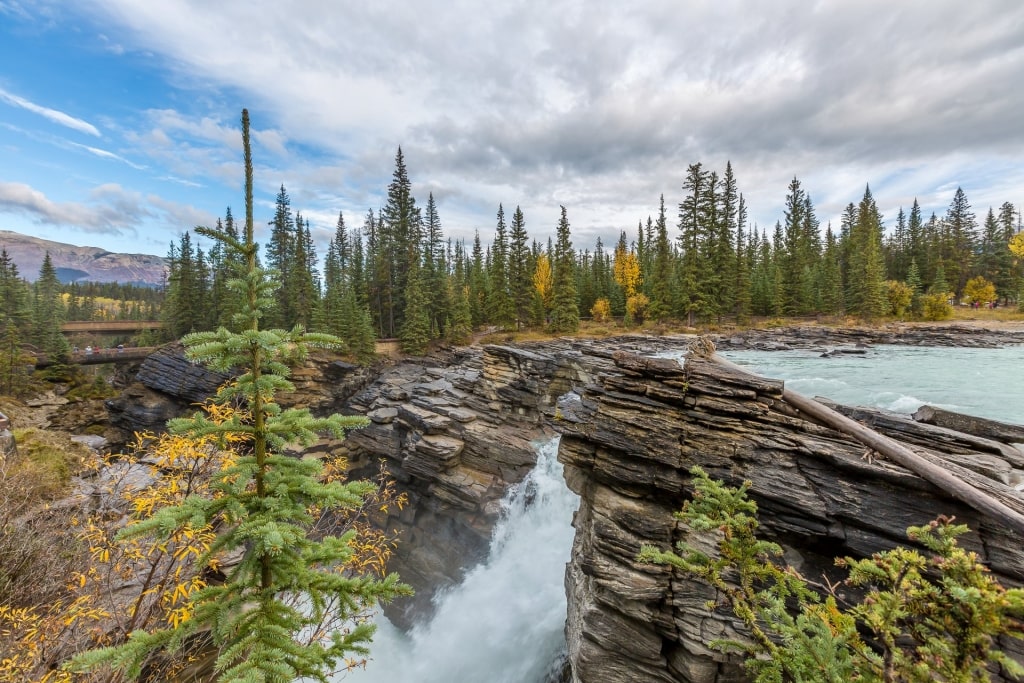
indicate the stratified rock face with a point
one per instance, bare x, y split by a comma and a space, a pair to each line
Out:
628, 446
167, 385
455, 433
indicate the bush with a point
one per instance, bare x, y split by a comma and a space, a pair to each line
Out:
900, 295
936, 307
601, 311
933, 617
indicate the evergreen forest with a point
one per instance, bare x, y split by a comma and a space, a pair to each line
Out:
393, 273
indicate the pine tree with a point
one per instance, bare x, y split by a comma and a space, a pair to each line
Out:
565, 313
830, 281
742, 286
1007, 281
520, 279
723, 257
691, 279
499, 303
415, 331
865, 291
400, 237
660, 308
478, 289
460, 325
280, 256
14, 362
436, 268
962, 227
14, 293
262, 619
302, 286
186, 306
48, 313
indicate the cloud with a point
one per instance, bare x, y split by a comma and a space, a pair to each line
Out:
53, 115
598, 105
113, 211
107, 155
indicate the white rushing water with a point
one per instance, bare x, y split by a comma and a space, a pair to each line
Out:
504, 622
983, 382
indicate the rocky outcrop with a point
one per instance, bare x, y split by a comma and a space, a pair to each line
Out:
628, 445
167, 385
456, 431
848, 339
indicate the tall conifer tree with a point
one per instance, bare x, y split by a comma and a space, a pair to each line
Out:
565, 314
264, 618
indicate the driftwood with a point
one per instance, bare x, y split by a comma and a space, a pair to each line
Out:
936, 474
969, 424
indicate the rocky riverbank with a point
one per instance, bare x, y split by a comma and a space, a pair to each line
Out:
456, 429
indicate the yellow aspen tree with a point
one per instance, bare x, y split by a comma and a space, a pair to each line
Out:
626, 270
542, 280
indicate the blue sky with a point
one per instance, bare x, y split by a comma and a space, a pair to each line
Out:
119, 118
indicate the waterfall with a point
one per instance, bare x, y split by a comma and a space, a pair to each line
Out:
504, 622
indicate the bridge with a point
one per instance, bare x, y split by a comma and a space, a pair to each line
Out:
110, 326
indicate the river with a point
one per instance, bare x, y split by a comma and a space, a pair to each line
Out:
504, 622
984, 382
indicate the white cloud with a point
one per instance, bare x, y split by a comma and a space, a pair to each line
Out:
600, 105
113, 212
107, 155
53, 115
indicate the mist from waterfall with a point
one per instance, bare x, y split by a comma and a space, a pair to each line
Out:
504, 622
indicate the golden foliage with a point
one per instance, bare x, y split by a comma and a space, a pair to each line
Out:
636, 305
1017, 245
601, 311
126, 583
626, 270
979, 290
543, 281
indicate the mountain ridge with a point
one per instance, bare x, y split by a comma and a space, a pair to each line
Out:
81, 264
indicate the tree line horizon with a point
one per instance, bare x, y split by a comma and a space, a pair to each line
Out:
397, 275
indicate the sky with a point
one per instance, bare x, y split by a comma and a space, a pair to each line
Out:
119, 119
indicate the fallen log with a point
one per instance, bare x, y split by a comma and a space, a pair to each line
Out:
931, 472
969, 424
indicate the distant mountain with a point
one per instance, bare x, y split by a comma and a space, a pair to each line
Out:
81, 264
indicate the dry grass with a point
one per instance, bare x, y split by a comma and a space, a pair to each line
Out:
37, 544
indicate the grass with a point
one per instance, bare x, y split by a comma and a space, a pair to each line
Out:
45, 461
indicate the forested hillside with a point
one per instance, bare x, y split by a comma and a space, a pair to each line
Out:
396, 275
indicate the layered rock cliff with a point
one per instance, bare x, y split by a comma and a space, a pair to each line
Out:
457, 429
627, 447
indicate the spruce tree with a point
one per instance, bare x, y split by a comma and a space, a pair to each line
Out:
519, 269
460, 324
695, 228
660, 308
415, 331
499, 303
436, 270
263, 618
961, 240
565, 313
14, 293
48, 312
280, 256
14, 362
742, 305
400, 236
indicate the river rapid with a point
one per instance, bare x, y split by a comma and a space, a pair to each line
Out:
504, 622
984, 382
